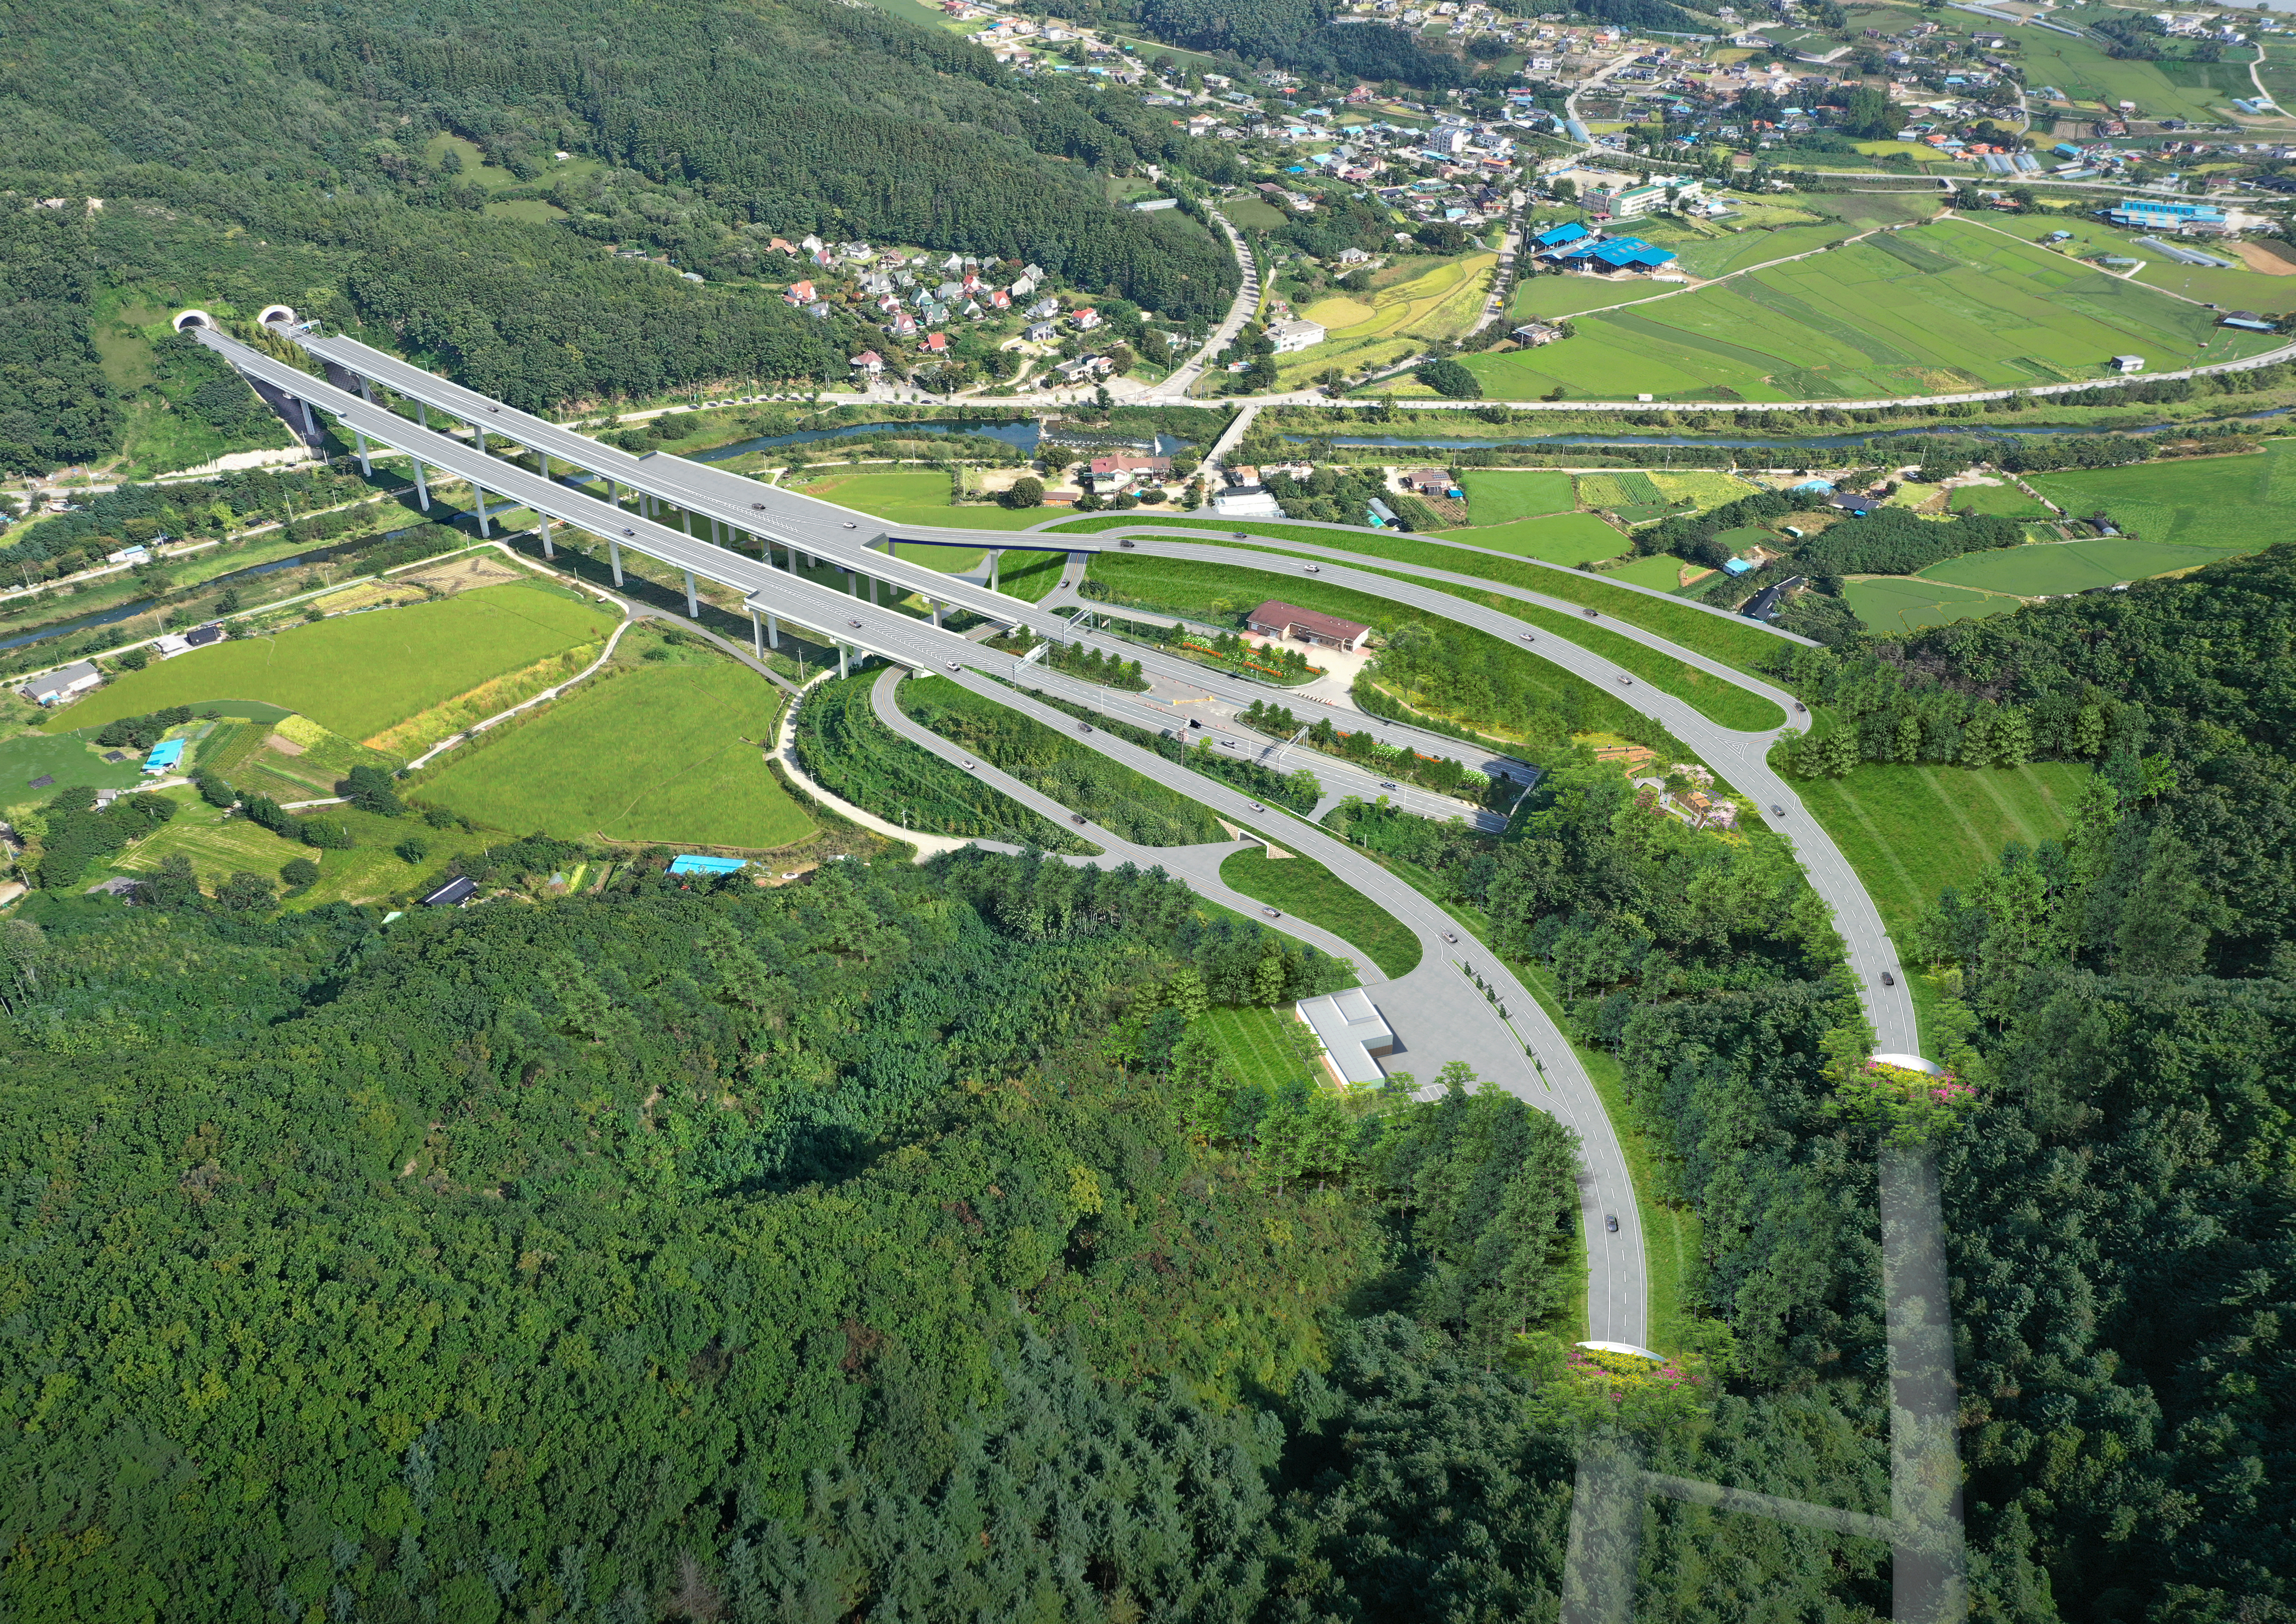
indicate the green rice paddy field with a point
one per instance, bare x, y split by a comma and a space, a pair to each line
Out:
1497, 497
663, 754
2237, 503
357, 674
1946, 306
2160, 90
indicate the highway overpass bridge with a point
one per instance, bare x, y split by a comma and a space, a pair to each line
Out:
712, 525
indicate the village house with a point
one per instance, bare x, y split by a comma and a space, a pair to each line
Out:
1275, 618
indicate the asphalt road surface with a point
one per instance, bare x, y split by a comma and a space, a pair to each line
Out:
1437, 1011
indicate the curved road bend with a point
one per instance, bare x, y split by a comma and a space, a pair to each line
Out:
897, 636
1437, 1014
1741, 759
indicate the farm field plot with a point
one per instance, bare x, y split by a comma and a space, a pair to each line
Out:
1912, 831
1438, 303
369, 871
1546, 298
2229, 501
1558, 538
658, 754
1948, 307
357, 674
1722, 255
1495, 498
2242, 288
68, 759
2089, 77
1894, 603
1705, 487
2046, 568
2006, 500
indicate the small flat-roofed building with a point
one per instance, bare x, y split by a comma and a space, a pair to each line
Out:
166, 756
1279, 619
1352, 1031
2129, 364
455, 892
695, 863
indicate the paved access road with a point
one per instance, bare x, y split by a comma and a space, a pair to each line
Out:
1436, 1012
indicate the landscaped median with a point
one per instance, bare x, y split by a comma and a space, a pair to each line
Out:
1738, 644
1306, 890
1211, 588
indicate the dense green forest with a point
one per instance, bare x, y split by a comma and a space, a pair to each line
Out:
2121, 1228
280, 152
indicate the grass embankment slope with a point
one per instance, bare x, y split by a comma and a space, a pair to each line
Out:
670, 753
1306, 890
1910, 832
357, 674
370, 871
1946, 307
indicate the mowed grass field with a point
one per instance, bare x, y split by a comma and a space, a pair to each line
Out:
665, 753
67, 758
1306, 889
1495, 497
1910, 832
2049, 569
357, 674
1895, 604
2235, 503
1947, 307
1366, 331
1257, 1047
2007, 500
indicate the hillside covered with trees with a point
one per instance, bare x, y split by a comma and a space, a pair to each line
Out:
267, 152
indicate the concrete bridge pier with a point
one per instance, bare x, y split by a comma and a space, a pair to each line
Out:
614, 549
757, 636
479, 429
773, 630
310, 423
480, 497
547, 550
844, 664
422, 485
422, 414
692, 608
366, 468
995, 556
937, 607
